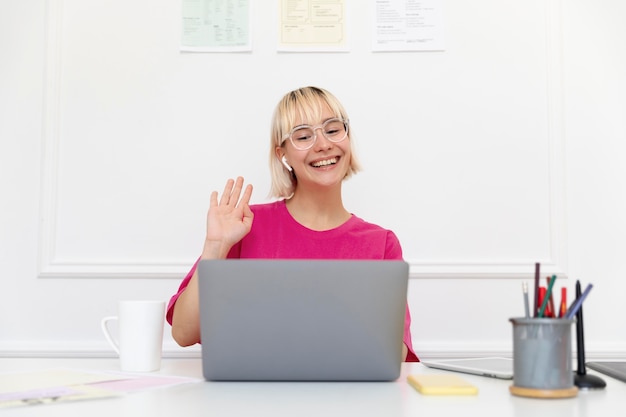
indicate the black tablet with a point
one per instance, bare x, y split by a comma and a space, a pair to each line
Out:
615, 370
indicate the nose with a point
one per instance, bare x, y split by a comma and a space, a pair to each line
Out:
320, 140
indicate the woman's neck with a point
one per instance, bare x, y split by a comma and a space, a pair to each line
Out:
318, 211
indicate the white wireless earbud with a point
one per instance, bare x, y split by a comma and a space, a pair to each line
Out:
284, 161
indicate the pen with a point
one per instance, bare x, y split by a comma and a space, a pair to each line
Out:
547, 296
563, 307
525, 289
542, 296
578, 302
536, 304
550, 310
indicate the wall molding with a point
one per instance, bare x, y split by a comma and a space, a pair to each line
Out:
82, 349
51, 266
433, 349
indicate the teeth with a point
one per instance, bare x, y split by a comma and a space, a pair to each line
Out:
325, 162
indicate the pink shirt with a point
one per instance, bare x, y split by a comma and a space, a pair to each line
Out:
277, 235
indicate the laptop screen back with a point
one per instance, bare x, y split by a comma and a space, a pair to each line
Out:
308, 320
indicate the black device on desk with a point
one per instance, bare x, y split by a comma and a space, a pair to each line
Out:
582, 379
616, 370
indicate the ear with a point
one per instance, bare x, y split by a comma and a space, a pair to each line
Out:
284, 161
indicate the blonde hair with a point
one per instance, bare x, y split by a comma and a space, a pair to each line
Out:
305, 104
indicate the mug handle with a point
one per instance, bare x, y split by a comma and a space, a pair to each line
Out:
107, 334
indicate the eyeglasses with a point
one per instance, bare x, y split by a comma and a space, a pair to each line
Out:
303, 137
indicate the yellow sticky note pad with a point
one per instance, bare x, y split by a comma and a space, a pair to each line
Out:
437, 384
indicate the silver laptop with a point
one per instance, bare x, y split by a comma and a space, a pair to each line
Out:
302, 320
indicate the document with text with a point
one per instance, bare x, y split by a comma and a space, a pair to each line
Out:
216, 26
408, 25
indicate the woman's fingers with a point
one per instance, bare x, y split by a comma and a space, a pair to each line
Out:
236, 192
245, 199
213, 199
232, 191
228, 188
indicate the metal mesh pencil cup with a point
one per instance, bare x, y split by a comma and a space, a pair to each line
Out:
542, 357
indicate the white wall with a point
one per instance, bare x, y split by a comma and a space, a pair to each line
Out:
501, 151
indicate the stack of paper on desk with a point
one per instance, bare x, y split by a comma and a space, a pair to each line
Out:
50, 386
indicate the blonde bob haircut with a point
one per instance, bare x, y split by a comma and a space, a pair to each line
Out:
305, 105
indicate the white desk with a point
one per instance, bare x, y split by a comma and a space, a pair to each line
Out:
317, 399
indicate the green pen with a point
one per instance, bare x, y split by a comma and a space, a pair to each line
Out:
547, 297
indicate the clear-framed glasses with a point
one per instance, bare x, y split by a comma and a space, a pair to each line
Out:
303, 137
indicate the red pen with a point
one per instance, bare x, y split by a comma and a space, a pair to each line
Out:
549, 312
563, 307
542, 295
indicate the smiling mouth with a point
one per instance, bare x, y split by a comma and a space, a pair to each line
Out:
324, 163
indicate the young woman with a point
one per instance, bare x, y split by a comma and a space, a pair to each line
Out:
311, 154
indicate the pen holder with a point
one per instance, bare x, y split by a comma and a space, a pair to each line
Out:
542, 358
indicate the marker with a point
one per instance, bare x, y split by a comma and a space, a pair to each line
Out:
578, 302
542, 296
563, 307
546, 298
550, 310
537, 301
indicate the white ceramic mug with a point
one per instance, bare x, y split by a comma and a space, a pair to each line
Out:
140, 334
